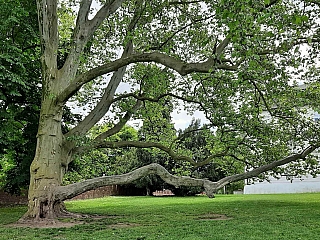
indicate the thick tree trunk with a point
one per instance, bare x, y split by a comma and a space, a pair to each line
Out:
46, 169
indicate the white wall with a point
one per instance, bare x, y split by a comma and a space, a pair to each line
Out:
283, 186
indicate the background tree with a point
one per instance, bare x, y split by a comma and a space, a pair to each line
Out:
104, 162
229, 59
193, 139
20, 91
157, 124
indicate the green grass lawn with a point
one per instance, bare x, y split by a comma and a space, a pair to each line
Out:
291, 216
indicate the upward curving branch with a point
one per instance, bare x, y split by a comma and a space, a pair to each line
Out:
105, 102
117, 127
255, 172
84, 31
83, 13
182, 67
106, 10
107, 99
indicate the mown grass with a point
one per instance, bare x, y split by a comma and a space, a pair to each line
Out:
291, 216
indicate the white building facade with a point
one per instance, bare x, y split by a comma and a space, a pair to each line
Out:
287, 184
306, 184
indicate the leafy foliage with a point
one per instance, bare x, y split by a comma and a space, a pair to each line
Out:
19, 91
103, 162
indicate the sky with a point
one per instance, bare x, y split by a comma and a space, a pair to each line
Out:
181, 118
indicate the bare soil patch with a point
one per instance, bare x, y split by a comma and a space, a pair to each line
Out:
68, 222
214, 217
122, 225
45, 224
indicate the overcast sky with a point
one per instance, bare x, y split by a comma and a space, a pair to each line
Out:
181, 119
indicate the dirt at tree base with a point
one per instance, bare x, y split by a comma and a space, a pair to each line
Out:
45, 224
69, 223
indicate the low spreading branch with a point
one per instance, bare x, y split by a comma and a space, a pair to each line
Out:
66, 192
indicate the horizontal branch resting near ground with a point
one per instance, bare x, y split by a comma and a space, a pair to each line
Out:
66, 192
72, 190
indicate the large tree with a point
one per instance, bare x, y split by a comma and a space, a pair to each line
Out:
229, 59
